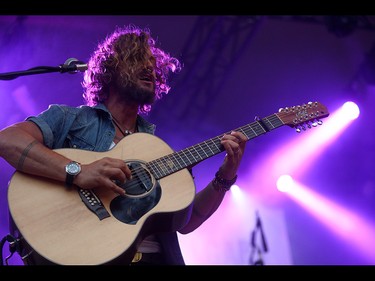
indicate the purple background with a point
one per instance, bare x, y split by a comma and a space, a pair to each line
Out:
236, 68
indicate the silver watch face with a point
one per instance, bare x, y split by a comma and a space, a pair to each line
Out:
73, 168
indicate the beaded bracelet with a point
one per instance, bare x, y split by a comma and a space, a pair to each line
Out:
221, 184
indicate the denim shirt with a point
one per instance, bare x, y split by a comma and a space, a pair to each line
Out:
91, 128
84, 127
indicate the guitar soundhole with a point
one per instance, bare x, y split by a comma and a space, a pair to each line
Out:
141, 182
143, 192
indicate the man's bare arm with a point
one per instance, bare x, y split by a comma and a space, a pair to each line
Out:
21, 145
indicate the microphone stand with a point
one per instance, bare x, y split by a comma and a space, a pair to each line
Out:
31, 71
256, 249
71, 65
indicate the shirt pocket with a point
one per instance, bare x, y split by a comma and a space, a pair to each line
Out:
72, 141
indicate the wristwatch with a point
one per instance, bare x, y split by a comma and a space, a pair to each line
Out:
72, 169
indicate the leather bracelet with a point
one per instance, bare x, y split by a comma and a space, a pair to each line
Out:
221, 184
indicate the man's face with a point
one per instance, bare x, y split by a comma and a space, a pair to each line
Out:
140, 87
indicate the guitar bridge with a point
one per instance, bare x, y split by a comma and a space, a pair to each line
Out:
93, 203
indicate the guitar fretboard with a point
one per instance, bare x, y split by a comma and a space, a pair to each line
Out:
192, 155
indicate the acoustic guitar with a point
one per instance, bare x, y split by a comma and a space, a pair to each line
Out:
72, 226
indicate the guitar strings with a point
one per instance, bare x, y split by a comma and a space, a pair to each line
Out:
249, 130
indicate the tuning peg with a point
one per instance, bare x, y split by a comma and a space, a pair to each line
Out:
314, 123
320, 122
299, 128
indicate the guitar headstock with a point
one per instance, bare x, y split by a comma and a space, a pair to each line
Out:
302, 116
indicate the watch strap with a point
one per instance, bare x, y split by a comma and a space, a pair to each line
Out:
69, 180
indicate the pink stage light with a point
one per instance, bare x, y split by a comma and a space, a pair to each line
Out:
352, 227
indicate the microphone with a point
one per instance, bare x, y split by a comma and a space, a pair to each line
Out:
72, 65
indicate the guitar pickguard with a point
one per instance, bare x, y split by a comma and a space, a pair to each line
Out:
143, 193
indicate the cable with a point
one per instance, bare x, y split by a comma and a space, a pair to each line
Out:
13, 247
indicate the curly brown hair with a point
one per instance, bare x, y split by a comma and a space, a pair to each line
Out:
130, 48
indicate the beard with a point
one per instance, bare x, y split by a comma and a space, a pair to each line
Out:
137, 92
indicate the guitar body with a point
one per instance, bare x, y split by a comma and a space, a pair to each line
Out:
54, 221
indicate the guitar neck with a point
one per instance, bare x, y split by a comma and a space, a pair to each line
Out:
192, 155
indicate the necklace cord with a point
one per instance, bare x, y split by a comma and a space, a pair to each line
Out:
123, 132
